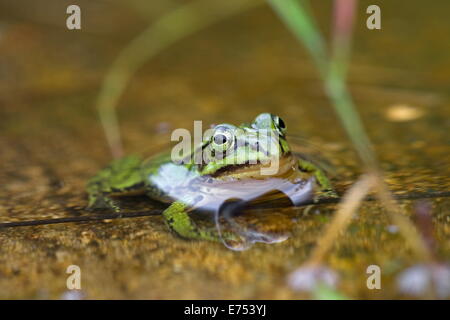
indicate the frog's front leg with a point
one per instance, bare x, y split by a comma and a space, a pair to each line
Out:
326, 189
121, 178
178, 220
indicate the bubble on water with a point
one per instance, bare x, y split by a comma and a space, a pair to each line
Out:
242, 237
162, 127
248, 239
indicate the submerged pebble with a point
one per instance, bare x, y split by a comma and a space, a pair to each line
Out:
308, 278
73, 295
420, 279
392, 228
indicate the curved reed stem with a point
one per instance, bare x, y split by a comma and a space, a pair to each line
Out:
165, 31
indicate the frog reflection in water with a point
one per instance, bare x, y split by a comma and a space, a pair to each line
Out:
232, 166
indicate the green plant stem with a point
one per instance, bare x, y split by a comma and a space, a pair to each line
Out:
346, 111
168, 29
333, 73
294, 14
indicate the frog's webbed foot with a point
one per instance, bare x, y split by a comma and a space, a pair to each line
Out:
178, 220
325, 194
326, 190
101, 201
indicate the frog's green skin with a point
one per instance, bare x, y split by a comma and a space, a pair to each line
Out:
237, 174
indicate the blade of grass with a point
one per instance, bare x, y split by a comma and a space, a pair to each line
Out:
165, 31
335, 80
344, 17
297, 17
300, 22
336, 84
333, 73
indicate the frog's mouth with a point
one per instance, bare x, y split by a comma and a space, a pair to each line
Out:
285, 166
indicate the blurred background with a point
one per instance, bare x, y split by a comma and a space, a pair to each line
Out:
232, 68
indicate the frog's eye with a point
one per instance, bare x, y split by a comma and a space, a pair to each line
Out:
222, 139
280, 124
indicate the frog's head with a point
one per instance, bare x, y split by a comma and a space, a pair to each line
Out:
242, 150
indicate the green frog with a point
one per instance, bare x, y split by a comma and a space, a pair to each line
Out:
236, 162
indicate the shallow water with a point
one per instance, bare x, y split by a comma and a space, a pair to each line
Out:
51, 142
